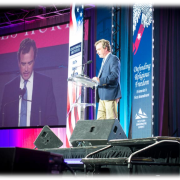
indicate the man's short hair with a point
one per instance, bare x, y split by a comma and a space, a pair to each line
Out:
105, 43
25, 46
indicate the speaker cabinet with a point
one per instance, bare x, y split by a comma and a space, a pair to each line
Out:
96, 132
47, 139
24, 160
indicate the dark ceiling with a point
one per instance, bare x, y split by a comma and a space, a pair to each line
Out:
6, 6
15, 15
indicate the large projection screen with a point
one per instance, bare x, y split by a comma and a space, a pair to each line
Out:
52, 61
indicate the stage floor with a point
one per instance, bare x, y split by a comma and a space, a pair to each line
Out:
156, 156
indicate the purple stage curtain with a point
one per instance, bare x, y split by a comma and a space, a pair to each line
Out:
166, 71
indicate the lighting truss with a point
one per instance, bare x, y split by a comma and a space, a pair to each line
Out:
115, 34
38, 11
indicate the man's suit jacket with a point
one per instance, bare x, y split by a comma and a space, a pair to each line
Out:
43, 106
109, 87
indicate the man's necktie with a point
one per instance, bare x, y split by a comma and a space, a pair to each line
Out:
23, 115
102, 64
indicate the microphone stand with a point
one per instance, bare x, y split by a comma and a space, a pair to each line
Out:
21, 97
39, 115
3, 113
83, 67
82, 74
22, 92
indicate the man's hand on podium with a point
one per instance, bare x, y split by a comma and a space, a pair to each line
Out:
95, 79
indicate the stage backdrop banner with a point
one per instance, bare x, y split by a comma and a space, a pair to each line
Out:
142, 71
74, 68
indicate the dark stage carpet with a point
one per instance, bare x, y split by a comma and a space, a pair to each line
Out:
155, 156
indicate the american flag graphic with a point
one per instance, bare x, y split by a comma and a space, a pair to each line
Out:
145, 11
76, 17
74, 92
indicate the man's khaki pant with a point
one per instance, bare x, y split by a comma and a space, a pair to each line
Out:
107, 110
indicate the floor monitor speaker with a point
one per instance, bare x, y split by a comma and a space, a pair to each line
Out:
47, 139
96, 132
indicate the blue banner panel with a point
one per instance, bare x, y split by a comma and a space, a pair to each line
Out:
142, 72
103, 31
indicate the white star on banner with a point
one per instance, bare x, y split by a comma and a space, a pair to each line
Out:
139, 36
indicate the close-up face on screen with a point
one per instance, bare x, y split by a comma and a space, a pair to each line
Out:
40, 57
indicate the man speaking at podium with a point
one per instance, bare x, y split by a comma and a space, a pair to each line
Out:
109, 89
34, 105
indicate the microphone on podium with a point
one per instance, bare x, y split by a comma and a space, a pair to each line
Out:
89, 62
83, 65
21, 94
